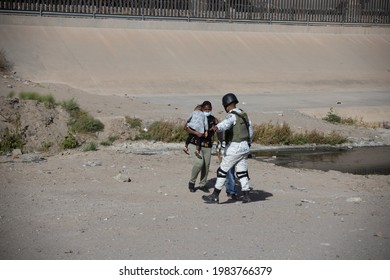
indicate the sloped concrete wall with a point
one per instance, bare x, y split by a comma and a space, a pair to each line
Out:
136, 57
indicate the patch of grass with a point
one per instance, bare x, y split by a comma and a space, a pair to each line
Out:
10, 141
165, 131
133, 122
316, 137
90, 147
109, 141
11, 94
80, 121
47, 100
281, 134
69, 142
70, 106
272, 134
45, 147
332, 117
84, 123
5, 64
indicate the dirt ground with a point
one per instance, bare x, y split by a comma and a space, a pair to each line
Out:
75, 205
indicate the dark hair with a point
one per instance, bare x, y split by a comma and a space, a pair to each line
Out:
207, 103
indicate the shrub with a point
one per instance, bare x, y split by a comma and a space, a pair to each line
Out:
271, 134
80, 120
281, 134
10, 141
133, 122
109, 141
90, 147
70, 106
85, 124
47, 100
332, 117
165, 131
69, 142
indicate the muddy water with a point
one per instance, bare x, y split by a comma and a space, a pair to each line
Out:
363, 161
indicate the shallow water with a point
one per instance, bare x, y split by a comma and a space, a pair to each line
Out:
363, 161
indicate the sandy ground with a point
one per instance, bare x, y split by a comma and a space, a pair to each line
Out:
71, 206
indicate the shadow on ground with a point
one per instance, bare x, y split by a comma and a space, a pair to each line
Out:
255, 195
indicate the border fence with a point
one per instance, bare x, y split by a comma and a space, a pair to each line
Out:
313, 11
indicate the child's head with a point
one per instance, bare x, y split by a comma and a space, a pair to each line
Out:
198, 107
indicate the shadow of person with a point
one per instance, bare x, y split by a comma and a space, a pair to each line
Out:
255, 195
259, 195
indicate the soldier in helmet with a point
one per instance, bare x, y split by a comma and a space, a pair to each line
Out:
238, 134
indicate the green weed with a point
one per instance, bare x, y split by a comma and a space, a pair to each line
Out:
164, 131
133, 122
90, 147
109, 141
47, 100
281, 134
70, 142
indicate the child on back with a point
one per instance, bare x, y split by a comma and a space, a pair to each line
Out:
198, 122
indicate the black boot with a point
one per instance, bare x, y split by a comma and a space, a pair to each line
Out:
191, 187
246, 198
212, 198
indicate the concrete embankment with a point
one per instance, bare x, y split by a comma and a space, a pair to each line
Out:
106, 56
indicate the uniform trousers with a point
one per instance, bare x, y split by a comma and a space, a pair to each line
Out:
228, 161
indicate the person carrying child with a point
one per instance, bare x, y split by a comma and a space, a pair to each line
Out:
196, 122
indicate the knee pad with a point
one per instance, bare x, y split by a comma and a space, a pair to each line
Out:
221, 173
242, 174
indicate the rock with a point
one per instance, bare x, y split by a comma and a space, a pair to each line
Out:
123, 176
299, 189
93, 163
16, 153
354, 199
308, 201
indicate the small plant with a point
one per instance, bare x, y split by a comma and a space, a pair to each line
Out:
47, 100
90, 147
109, 141
45, 147
164, 131
80, 120
281, 134
10, 141
70, 105
133, 122
11, 94
69, 142
271, 134
332, 117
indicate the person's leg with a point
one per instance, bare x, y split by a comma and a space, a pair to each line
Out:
228, 161
197, 165
188, 141
242, 175
198, 146
230, 182
206, 154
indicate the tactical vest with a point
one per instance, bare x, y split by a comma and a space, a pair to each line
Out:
240, 131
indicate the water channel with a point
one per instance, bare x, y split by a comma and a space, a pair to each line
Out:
363, 161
